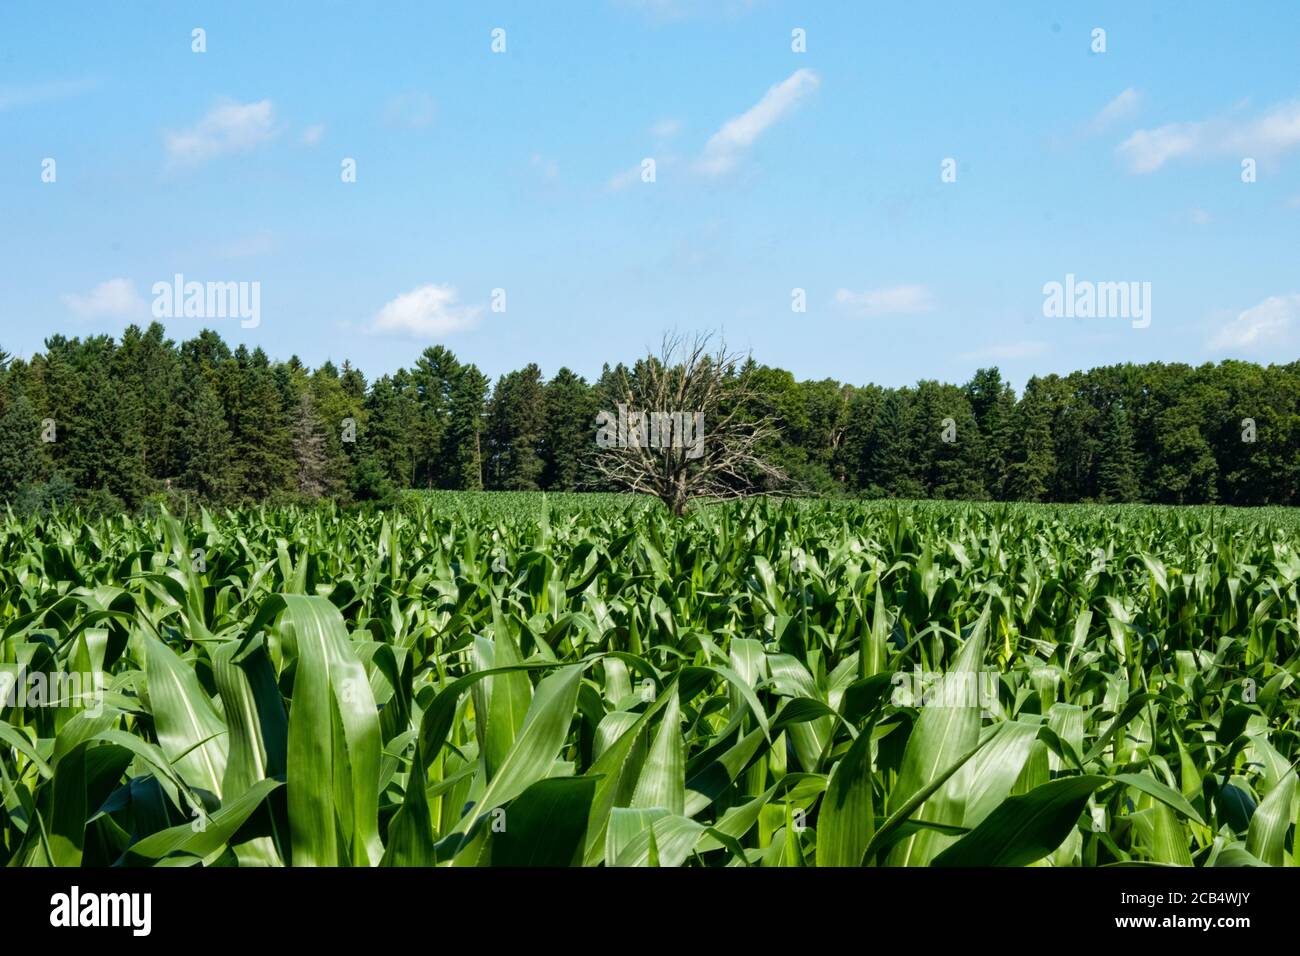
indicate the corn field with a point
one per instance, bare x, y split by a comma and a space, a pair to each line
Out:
515, 679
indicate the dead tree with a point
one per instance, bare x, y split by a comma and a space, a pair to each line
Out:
684, 427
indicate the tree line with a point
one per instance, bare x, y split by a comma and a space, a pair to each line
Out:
116, 424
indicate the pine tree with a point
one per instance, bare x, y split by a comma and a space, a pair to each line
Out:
993, 403
341, 419
1033, 457
856, 451
569, 434
1116, 472
20, 446
607, 391
462, 446
432, 377
956, 453
149, 383
232, 424
315, 477
259, 425
516, 423
384, 441
204, 443
100, 437
353, 382
54, 397
892, 460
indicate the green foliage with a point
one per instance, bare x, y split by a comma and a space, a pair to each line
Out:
43, 497
516, 426
20, 446
145, 416
1117, 473
516, 678
204, 442
567, 438
1033, 458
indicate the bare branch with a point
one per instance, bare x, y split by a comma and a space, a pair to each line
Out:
686, 427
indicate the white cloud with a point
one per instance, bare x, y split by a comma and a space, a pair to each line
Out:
625, 178
12, 96
1265, 136
895, 300
430, 311
665, 129
1199, 217
1148, 150
227, 128
1294, 202
1008, 352
414, 110
313, 134
728, 144
1120, 108
115, 298
1267, 325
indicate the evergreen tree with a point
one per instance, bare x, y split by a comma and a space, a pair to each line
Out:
607, 392
97, 426
384, 442
206, 350
892, 460
231, 425
569, 434
955, 452
204, 443
516, 425
341, 417
1033, 456
462, 446
148, 373
855, 454
259, 425
353, 382
20, 446
432, 377
1116, 475
315, 471
993, 403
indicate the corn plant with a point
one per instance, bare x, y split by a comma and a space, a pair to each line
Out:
516, 679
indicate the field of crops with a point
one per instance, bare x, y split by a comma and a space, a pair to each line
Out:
583, 680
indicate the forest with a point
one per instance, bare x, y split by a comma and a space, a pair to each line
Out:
110, 424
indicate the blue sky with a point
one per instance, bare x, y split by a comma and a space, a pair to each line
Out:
774, 170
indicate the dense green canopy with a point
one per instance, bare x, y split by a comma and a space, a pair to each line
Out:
116, 422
